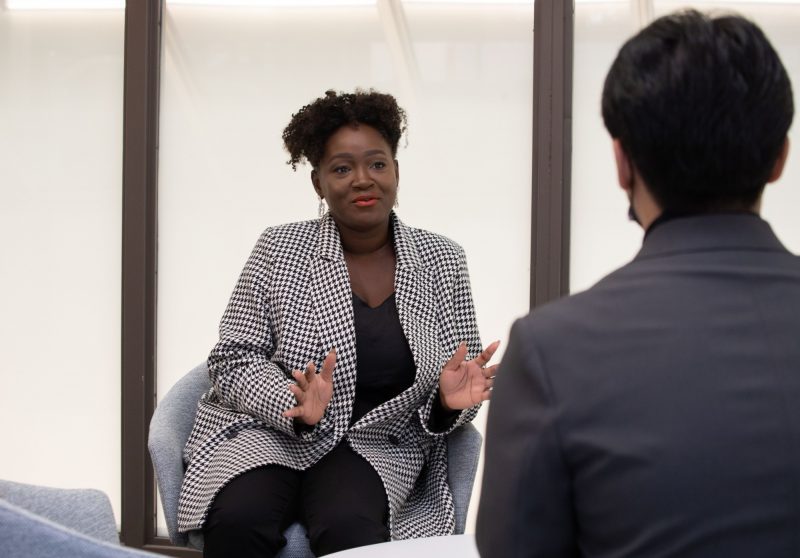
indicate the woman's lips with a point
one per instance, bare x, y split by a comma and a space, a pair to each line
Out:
365, 202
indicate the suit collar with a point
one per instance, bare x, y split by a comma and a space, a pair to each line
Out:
698, 233
329, 245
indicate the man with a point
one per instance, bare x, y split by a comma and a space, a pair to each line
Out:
658, 413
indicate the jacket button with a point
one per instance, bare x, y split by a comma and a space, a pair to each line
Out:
232, 434
394, 440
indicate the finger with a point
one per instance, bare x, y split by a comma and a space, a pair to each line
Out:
328, 365
486, 355
301, 380
311, 371
458, 357
298, 393
294, 412
490, 371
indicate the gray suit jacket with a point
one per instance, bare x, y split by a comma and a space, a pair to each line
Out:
658, 413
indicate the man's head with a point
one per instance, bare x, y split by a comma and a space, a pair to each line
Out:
700, 108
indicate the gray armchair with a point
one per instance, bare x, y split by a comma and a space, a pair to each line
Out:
172, 423
43, 522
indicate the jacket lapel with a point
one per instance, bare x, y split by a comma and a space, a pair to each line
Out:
333, 311
416, 305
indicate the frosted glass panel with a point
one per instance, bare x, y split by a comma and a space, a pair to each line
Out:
60, 221
232, 77
602, 238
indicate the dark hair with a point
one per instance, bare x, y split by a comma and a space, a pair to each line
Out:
310, 127
702, 107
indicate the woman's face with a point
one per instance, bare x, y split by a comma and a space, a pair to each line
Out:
358, 177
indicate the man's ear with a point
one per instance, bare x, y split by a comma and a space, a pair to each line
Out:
624, 167
777, 168
315, 182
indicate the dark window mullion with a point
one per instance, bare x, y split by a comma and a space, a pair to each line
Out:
552, 149
139, 222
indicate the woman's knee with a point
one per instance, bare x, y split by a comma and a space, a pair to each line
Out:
340, 530
248, 516
233, 531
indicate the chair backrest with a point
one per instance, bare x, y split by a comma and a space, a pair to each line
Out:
169, 430
463, 452
172, 423
84, 510
25, 534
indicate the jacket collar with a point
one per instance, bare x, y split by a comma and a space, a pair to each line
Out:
405, 248
329, 245
699, 233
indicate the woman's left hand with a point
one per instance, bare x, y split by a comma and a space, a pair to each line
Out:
463, 384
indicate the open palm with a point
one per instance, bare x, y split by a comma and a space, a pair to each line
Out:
463, 384
313, 391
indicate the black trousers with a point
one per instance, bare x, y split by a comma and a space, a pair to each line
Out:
340, 500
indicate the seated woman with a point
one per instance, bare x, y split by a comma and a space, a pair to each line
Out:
342, 361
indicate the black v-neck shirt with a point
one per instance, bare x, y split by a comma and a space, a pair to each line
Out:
383, 358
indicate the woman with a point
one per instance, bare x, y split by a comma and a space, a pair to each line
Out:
357, 451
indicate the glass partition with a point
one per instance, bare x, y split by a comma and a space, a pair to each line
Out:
233, 76
60, 220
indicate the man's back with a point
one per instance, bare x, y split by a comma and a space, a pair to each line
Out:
657, 414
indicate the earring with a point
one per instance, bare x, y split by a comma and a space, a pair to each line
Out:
396, 202
322, 207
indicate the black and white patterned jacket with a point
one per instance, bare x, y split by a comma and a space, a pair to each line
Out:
292, 304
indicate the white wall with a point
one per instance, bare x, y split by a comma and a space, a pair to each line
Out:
602, 237
233, 77
60, 225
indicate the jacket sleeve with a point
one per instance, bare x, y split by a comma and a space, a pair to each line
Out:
240, 369
526, 496
465, 328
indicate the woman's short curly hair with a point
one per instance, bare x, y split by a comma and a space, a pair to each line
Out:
309, 129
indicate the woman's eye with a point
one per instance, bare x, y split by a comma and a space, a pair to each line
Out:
341, 169
379, 165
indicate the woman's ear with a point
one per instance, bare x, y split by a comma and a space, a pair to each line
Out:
396, 170
315, 183
624, 168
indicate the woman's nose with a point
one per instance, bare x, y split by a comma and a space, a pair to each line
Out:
361, 177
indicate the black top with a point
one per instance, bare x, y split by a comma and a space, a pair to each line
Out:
383, 358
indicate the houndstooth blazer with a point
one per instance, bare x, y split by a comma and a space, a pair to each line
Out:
292, 304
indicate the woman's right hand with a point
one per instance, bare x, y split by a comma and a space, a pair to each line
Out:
313, 391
